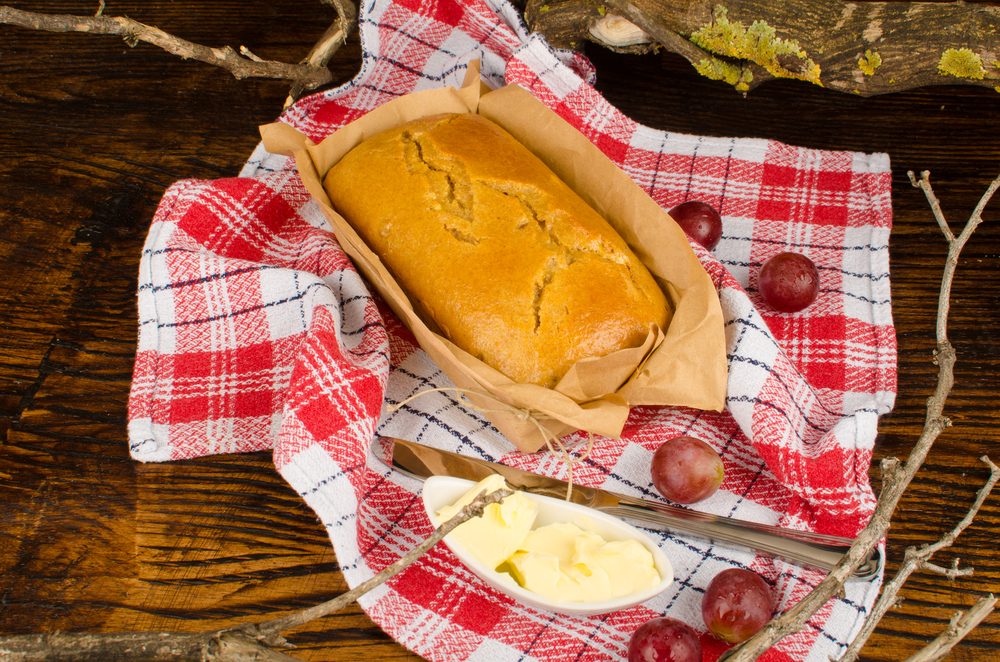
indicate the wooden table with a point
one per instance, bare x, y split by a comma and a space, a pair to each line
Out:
93, 132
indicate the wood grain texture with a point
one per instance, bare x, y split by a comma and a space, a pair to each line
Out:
94, 131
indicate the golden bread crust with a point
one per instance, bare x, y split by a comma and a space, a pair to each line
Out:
509, 263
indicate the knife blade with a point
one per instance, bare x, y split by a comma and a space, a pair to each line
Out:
800, 547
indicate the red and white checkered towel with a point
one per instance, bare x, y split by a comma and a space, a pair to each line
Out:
257, 333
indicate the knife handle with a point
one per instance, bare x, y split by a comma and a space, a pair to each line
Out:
817, 550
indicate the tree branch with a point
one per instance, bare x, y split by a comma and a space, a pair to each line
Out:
863, 48
961, 624
916, 558
896, 477
244, 642
306, 75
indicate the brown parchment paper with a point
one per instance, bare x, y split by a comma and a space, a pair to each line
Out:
682, 365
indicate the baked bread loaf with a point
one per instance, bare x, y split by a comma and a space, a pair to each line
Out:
493, 248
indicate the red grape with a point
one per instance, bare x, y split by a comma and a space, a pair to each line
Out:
788, 282
664, 640
700, 221
736, 605
686, 469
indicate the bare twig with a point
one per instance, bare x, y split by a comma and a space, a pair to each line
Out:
328, 44
244, 642
474, 509
916, 558
249, 54
896, 477
924, 184
961, 624
306, 74
952, 572
956, 244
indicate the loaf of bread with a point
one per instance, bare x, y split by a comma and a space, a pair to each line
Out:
493, 248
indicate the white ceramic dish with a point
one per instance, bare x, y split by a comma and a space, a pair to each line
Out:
441, 491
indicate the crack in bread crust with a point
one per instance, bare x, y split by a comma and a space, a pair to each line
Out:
456, 192
599, 247
551, 266
455, 196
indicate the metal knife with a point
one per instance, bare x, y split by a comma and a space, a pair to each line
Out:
801, 547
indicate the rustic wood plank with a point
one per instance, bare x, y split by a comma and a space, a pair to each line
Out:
93, 133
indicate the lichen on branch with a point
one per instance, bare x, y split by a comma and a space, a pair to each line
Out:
869, 62
961, 63
758, 43
732, 73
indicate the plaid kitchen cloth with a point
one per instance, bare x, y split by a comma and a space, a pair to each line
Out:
256, 332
